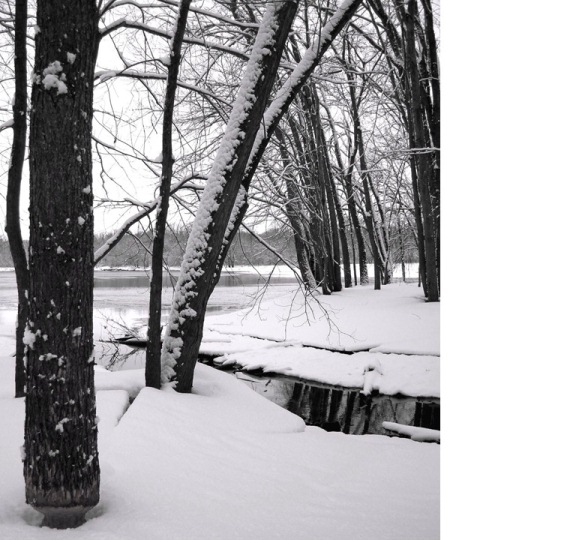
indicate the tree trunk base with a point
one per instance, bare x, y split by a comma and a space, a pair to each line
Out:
65, 517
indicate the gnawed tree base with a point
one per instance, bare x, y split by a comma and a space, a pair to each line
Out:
63, 517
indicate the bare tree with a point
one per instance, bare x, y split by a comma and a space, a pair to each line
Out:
13, 229
153, 349
61, 466
224, 201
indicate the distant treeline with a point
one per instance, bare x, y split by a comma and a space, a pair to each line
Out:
134, 249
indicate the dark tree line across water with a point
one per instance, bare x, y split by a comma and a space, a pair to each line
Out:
246, 250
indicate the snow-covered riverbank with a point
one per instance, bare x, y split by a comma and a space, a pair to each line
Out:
225, 463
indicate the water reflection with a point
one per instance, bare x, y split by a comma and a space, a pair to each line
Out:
339, 409
228, 278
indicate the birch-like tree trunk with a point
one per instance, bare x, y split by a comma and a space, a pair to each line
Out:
61, 468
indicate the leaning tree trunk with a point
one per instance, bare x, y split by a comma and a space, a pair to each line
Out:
229, 181
220, 199
61, 466
13, 189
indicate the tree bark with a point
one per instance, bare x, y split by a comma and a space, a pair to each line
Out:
353, 212
369, 218
340, 214
61, 468
154, 343
13, 189
423, 162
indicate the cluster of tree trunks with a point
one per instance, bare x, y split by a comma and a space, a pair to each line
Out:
413, 62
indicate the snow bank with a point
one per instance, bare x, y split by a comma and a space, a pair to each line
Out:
415, 433
224, 463
389, 374
130, 381
395, 319
218, 344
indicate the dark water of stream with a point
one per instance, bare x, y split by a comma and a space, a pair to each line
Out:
343, 409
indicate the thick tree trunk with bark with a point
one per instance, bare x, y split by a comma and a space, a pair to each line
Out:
13, 189
423, 161
61, 467
154, 344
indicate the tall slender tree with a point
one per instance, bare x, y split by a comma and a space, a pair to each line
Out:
13, 229
154, 347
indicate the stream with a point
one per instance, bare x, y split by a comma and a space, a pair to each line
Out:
120, 307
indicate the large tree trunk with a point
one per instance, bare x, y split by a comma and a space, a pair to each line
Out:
154, 345
434, 120
61, 466
423, 161
13, 191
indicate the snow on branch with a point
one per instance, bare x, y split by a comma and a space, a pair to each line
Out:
105, 75
147, 209
293, 84
7, 124
123, 23
297, 79
224, 181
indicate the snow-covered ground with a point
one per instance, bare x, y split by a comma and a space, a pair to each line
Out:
393, 320
226, 463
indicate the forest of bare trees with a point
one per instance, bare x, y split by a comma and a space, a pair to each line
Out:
196, 126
